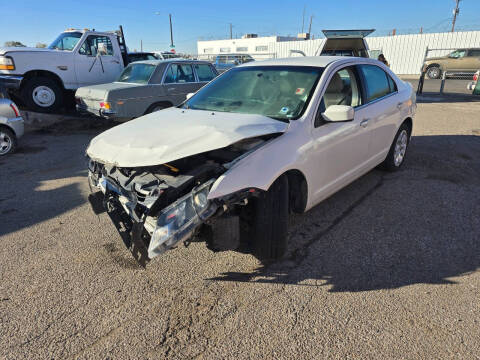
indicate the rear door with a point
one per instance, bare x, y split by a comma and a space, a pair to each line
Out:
179, 80
382, 109
204, 74
473, 60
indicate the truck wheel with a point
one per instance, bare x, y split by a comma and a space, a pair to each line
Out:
434, 72
8, 141
42, 94
269, 222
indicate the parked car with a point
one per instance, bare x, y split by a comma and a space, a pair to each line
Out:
474, 84
40, 77
165, 55
144, 87
227, 61
261, 139
460, 61
141, 56
11, 126
345, 43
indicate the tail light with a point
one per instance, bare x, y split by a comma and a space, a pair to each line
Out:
15, 109
475, 77
105, 105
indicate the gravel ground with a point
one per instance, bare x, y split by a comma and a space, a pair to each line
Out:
386, 268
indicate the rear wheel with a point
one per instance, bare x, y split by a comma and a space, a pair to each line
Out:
42, 94
398, 150
156, 107
8, 141
269, 222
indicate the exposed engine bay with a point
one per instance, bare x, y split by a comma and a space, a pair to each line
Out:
154, 208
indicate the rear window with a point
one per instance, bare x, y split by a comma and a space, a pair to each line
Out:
204, 72
137, 73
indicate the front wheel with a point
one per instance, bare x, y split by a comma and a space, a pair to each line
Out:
8, 141
398, 150
269, 222
42, 94
434, 72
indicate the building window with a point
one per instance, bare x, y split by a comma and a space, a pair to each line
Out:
208, 51
243, 48
261, 48
225, 50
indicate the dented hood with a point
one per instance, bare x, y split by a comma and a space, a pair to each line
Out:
173, 133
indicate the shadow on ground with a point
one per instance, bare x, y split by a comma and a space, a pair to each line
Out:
388, 230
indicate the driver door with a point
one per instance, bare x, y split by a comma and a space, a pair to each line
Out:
94, 67
340, 148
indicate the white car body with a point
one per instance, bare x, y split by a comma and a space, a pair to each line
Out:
329, 156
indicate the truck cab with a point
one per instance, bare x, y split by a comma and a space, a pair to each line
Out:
40, 77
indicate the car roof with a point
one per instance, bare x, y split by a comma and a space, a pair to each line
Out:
177, 60
316, 61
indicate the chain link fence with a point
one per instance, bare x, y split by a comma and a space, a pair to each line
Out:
448, 70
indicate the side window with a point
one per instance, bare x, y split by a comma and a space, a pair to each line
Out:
391, 84
91, 46
204, 72
343, 89
377, 82
179, 73
474, 52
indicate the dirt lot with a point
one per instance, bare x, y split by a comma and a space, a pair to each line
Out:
386, 268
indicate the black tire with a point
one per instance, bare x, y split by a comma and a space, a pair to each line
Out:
434, 72
389, 164
269, 222
30, 90
156, 107
7, 135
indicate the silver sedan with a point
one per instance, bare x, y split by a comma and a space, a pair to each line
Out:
11, 126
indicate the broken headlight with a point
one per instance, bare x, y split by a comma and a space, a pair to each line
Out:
178, 221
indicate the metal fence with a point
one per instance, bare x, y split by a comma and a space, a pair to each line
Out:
447, 70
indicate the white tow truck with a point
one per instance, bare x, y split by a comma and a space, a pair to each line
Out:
41, 77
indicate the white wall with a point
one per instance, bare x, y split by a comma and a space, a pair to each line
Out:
404, 52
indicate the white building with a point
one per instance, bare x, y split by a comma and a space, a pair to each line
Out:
257, 47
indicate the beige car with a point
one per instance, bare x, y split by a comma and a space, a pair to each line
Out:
461, 61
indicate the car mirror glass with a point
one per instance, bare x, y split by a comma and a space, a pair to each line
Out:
339, 113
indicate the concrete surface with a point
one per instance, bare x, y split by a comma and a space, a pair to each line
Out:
385, 269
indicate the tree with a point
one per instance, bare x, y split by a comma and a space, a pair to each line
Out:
41, 45
14, 44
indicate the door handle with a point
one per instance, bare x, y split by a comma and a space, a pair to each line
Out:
364, 123
399, 105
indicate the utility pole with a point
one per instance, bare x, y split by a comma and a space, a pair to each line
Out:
310, 26
231, 31
303, 18
171, 32
141, 45
455, 13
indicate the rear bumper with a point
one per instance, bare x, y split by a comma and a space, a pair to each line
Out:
104, 113
10, 81
17, 125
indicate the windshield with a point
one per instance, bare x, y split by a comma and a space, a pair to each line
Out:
137, 73
66, 41
279, 92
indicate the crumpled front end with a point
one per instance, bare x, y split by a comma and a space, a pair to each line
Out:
157, 207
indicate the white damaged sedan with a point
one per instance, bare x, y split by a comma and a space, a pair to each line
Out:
263, 139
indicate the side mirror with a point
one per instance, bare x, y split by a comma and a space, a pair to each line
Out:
189, 95
339, 113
